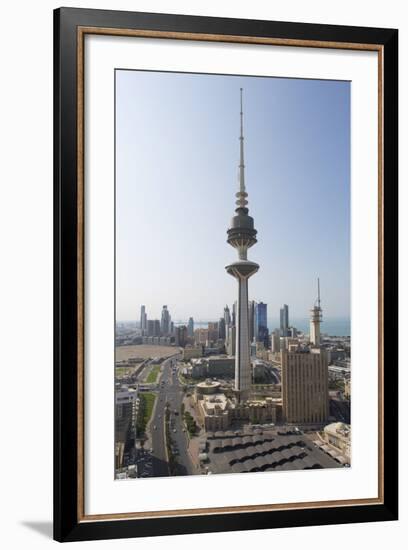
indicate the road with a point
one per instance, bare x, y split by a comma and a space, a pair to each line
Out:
170, 392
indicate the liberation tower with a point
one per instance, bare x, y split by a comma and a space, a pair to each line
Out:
316, 319
242, 235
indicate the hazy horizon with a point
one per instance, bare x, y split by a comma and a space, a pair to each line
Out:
199, 320
334, 326
177, 155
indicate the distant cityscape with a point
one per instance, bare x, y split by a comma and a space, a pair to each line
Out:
218, 334
231, 395
335, 326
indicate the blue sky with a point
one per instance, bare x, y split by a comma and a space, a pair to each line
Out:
177, 154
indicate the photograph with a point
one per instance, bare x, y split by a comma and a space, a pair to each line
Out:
232, 274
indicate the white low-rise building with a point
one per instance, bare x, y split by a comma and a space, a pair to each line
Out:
338, 435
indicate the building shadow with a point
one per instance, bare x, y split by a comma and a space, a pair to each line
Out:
44, 528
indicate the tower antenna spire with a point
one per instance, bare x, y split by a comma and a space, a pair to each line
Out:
241, 195
318, 291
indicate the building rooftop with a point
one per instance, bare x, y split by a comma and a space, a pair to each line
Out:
209, 384
265, 451
217, 403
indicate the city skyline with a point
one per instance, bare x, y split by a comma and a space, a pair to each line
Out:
334, 326
300, 255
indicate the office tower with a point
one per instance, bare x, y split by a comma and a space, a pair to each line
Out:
165, 321
227, 316
284, 320
283, 343
241, 236
190, 327
171, 328
221, 329
228, 324
292, 332
305, 386
275, 341
180, 336
201, 336
183, 336
153, 327
150, 327
256, 324
143, 319
252, 320
261, 325
212, 332
231, 341
234, 314
316, 319
156, 330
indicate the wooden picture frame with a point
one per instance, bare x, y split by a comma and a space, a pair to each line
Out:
70, 27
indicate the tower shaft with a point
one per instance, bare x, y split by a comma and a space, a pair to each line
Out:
242, 271
242, 352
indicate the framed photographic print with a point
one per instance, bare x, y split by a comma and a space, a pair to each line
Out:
225, 274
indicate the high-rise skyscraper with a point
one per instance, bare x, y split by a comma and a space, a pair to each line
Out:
165, 321
231, 339
153, 327
212, 332
261, 325
228, 324
293, 332
150, 327
242, 235
284, 320
201, 336
180, 334
252, 320
190, 327
227, 316
221, 329
234, 314
316, 319
305, 395
275, 341
143, 319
